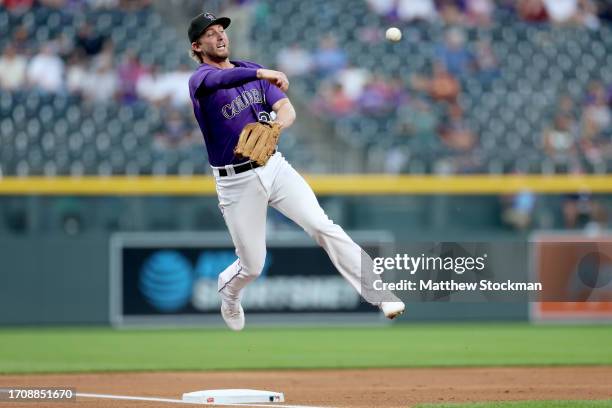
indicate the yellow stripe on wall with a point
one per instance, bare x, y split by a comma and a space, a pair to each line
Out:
351, 184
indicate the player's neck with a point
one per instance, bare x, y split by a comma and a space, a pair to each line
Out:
223, 64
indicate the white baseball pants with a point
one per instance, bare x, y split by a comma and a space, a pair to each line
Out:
243, 200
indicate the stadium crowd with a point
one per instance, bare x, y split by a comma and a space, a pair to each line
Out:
480, 12
88, 66
426, 109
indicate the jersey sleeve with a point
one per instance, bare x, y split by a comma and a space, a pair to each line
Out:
273, 94
213, 79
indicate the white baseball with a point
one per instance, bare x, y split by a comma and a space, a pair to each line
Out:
393, 34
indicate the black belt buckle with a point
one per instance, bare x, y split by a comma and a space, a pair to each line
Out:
240, 168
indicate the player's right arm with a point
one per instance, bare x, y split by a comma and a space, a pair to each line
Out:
212, 80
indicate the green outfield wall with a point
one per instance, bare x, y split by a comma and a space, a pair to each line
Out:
54, 250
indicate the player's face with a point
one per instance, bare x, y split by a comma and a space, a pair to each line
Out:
214, 43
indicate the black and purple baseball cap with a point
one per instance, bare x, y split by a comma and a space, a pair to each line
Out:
202, 21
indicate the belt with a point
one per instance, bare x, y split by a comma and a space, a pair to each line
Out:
232, 169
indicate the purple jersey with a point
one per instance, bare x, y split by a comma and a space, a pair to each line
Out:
226, 100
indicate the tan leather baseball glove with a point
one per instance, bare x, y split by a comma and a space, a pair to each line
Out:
257, 141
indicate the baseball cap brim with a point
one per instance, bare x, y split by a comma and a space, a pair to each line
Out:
200, 23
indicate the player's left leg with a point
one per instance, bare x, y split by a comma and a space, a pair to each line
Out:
243, 203
292, 196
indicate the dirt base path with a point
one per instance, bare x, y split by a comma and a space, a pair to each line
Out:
339, 388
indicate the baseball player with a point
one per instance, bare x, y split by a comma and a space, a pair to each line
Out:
233, 103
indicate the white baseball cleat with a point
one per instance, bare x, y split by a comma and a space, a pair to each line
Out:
392, 309
231, 311
233, 314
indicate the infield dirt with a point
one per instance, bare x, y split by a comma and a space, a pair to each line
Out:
339, 388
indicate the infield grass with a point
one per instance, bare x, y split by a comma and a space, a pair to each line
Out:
411, 345
524, 404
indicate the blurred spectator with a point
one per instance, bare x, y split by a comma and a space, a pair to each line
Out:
294, 60
64, 46
597, 149
370, 35
451, 11
20, 40
566, 107
454, 54
103, 4
455, 132
395, 160
604, 10
561, 11
518, 209
486, 63
17, 6
329, 58
479, 12
353, 81
409, 10
15, 216
331, 101
133, 5
12, 69
176, 132
76, 74
128, 73
172, 86
71, 211
575, 12
74, 6
183, 73
46, 71
532, 10
587, 14
596, 116
379, 96
88, 41
582, 210
106, 57
560, 139
55, 4
102, 84
385, 8
420, 122
442, 86
150, 87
